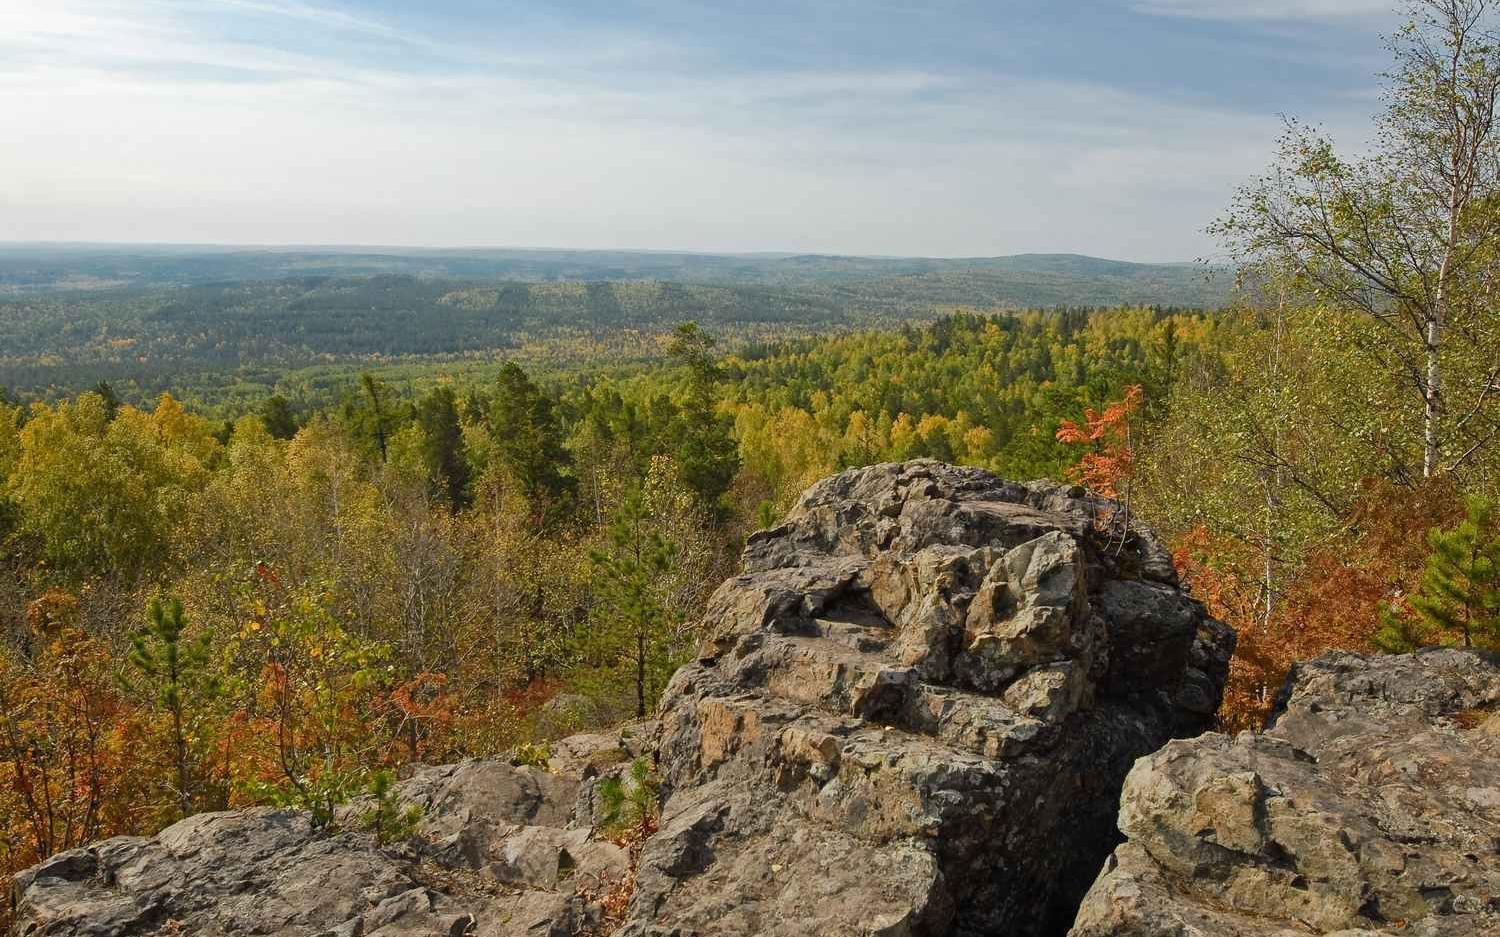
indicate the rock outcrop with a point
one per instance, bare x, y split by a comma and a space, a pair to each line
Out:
912, 715
1370, 806
915, 709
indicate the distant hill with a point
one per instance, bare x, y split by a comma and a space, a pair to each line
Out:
1021, 280
151, 318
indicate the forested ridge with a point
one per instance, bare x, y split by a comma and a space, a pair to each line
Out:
212, 342
223, 586
1026, 279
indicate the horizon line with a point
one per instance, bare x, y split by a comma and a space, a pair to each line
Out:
273, 247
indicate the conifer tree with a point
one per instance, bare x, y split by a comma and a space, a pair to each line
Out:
379, 419
635, 624
443, 444
1460, 591
174, 669
700, 438
276, 413
111, 399
527, 437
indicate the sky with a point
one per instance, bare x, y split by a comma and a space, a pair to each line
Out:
1118, 128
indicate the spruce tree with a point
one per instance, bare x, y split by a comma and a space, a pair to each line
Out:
443, 444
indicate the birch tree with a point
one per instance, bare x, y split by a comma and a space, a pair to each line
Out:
1407, 234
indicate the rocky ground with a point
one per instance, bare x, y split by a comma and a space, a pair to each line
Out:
913, 714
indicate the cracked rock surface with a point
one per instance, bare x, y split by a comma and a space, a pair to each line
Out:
503, 851
1370, 806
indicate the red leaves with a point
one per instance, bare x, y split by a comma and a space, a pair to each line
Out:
1110, 461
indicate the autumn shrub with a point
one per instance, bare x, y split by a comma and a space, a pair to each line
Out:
1108, 462
71, 765
1334, 600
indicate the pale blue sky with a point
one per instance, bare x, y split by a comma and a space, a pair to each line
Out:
1110, 127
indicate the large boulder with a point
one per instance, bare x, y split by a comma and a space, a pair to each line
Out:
1371, 805
914, 709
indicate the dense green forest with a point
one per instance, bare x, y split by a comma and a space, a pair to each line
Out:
229, 577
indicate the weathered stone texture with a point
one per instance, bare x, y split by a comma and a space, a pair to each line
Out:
1370, 806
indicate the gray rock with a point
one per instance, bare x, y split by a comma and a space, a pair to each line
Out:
914, 711
499, 854
1370, 806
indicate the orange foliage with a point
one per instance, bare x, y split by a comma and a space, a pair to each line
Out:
1333, 601
423, 708
70, 770
1110, 461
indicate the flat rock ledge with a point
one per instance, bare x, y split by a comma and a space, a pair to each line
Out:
912, 716
1371, 806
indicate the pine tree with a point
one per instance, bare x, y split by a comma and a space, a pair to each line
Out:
175, 669
379, 419
634, 626
1460, 591
276, 413
700, 440
527, 437
111, 399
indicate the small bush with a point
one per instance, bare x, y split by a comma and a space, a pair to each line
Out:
629, 810
321, 796
535, 754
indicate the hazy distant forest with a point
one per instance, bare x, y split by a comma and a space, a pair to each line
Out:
268, 538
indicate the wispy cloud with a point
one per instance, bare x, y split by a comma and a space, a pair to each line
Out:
287, 121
